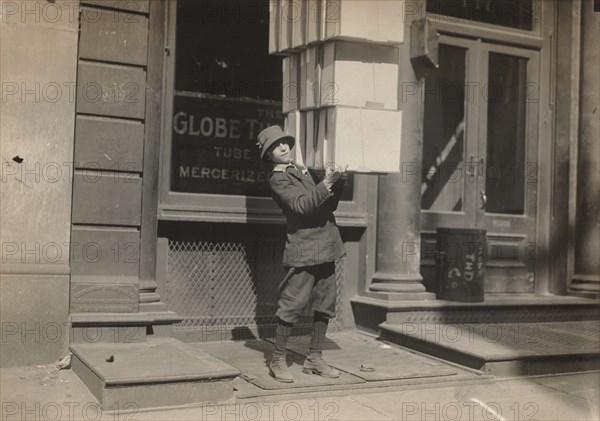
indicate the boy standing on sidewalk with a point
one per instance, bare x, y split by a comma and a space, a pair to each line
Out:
312, 247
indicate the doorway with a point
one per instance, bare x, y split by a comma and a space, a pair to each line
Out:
479, 167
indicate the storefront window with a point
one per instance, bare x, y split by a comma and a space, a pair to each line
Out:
227, 89
510, 13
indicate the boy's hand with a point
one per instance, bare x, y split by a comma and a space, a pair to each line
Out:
333, 174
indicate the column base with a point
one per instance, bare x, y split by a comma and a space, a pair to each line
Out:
397, 283
150, 300
388, 297
587, 286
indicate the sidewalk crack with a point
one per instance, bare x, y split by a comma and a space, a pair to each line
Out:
562, 391
370, 407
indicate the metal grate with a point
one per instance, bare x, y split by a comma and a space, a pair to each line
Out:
229, 283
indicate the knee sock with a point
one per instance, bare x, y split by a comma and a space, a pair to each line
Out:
317, 339
282, 333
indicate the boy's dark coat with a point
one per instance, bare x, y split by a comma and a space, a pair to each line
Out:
312, 235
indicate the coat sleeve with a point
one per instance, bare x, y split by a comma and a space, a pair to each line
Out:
289, 197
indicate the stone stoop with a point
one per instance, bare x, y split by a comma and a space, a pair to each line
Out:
91, 328
506, 334
370, 311
156, 373
505, 349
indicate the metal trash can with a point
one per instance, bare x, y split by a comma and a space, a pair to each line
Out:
460, 264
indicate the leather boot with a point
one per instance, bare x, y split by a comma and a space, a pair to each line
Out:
315, 364
279, 369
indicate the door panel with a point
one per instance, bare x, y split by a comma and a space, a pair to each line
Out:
448, 176
507, 147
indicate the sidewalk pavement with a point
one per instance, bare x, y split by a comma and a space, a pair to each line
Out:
44, 393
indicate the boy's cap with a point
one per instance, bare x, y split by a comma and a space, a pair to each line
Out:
271, 135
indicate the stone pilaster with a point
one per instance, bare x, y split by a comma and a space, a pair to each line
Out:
586, 278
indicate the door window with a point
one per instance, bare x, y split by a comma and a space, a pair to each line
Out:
505, 157
442, 187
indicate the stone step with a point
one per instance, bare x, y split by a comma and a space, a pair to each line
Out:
505, 349
92, 328
370, 311
157, 373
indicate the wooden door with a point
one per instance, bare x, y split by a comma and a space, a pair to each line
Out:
479, 156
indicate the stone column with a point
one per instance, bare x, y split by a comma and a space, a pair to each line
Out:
586, 278
398, 237
397, 271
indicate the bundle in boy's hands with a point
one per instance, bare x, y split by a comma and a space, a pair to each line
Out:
367, 140
358, 139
